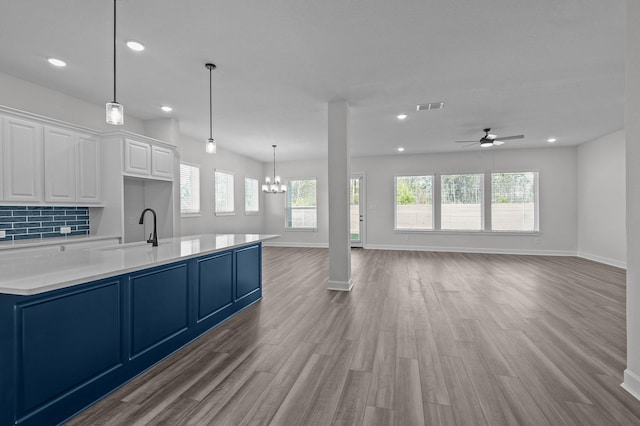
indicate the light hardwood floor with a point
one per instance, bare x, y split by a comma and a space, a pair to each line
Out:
423, 338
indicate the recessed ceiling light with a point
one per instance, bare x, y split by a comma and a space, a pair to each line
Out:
401, 116
57, 62
134, 45
551, 140
400, 149
166, 108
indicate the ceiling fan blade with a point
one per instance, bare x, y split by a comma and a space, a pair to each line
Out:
471, 144
508, 138
466, 141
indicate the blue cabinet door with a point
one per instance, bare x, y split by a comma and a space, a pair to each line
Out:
248, 271
215, 284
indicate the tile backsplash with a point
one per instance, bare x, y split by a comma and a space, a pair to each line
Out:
29, 222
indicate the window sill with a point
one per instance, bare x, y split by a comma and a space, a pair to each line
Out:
462, 232
190, 215
300, 229
252, 213
225, 213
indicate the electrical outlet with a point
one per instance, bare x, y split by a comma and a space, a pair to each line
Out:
3, 234
65, 229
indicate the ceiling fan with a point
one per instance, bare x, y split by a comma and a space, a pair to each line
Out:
489, 139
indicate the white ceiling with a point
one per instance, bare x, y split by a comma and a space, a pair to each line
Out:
543, 68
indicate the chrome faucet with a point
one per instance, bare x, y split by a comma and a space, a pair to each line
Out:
153, 238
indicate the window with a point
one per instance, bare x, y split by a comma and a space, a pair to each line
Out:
513, 201
224, 193
251, 196
461, 202
414, 202
189, 190
301, 211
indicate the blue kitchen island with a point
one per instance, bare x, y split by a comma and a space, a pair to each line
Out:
74, 326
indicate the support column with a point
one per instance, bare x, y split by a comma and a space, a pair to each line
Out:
339, 176
632, 127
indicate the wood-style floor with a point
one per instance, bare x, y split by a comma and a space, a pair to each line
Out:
423, 338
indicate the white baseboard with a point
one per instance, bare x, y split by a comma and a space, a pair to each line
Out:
631, 383
291, 244
340, 285
601, 259
595, 258
471, 250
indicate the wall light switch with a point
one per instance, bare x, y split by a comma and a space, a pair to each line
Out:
3, 234
65, 229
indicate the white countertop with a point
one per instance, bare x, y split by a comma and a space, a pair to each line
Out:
28, 274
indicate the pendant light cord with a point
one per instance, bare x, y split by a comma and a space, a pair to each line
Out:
274, 163
114, 51
210, 103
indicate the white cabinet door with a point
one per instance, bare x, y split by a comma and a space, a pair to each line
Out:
89, 169
59, 165
161, 162
137, 157
21, 160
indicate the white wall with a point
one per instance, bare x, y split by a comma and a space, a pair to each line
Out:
557, 195
26, 96
601, 200
632, 127
275, 218
192, 151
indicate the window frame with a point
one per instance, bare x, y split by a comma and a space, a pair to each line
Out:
483, 203
395, 204
536, 198
286, 206
215, 193
246, 211
184, 213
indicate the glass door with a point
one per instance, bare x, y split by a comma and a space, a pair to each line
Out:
356, 210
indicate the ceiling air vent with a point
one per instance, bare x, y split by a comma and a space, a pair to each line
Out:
432, 105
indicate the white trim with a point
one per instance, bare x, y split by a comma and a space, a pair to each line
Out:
631, 383
601, 259
471, 250
301, 245
300, 230
340, 285
467, 232
190, 214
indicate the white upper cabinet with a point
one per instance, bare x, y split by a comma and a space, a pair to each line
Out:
72, 167
137, 157
161, 162
148, 160
59, 165
21, 160
89, 169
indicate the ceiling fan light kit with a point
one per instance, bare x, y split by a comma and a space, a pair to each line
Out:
489, 140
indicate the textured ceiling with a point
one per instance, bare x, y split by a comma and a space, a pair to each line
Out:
542, 68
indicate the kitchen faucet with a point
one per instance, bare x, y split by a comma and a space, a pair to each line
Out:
153, 238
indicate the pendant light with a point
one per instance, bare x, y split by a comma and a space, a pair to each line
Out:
115, 111
211, 143
273, 187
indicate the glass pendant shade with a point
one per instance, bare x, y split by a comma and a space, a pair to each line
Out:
211, 146
115, 114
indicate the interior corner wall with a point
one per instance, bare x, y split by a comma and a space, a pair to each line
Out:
26, 96
601, 200
192, 151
